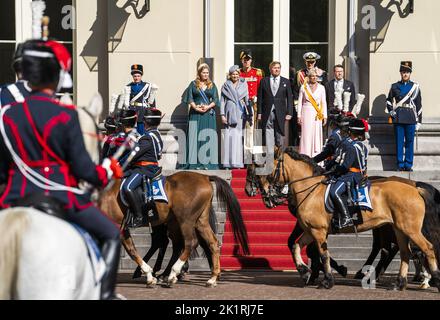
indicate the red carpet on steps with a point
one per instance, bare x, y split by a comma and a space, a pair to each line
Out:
268, 231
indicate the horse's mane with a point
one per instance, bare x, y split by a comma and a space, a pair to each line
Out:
291, 152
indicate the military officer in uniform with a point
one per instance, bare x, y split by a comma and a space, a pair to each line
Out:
18, 91
140, 95
350, 169
404, 104
253, 78
310, 59
41, 145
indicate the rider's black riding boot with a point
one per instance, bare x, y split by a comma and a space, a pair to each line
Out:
136, 205
110, 252
343, 214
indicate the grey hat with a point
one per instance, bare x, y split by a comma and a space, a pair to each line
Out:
233, 69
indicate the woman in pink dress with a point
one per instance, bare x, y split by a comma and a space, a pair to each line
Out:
312, 115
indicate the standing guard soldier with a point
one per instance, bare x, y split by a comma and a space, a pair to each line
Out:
253, 78
140, 95
406, 115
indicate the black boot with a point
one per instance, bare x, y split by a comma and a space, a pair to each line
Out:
136, 207
110, 252
344, 219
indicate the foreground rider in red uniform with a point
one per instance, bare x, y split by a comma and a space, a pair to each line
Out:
42, 147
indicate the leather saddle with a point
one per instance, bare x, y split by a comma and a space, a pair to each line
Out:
44, 203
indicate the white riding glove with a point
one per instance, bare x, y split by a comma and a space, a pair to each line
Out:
418, 126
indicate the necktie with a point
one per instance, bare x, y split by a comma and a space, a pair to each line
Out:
275, 86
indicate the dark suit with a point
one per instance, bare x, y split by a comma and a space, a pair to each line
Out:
330, 92
283, 102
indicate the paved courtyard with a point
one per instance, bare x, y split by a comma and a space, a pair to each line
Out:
240, 285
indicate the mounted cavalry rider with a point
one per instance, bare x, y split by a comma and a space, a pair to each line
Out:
42, 148
406, 115
140, 95
144, 164
338, 123
18, 91
349, 171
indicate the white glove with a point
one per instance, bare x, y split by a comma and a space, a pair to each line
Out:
106, 163
393, 113
418, 126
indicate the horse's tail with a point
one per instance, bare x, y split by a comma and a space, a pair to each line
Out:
226, 194
431, 222
13, 224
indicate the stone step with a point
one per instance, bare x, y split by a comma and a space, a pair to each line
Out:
388, 162
198, 264
349, 241
353, 265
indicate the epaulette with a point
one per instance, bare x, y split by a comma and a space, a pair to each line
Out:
260, 72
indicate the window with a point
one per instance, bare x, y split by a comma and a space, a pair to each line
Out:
308, 31
254, 31
63, 35
7, 40
299, 25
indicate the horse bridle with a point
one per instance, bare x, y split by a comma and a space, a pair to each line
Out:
280, 170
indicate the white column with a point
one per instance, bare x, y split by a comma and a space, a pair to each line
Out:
23, 20
207, 48
229, 32
281, 34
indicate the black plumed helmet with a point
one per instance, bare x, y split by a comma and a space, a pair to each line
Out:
110, 124
127, 118
153, 117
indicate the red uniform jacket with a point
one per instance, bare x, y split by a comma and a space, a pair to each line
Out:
253, 78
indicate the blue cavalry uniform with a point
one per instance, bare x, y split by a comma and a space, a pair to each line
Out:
46, 136
350, 170
339, 122
43, 151
330, 148
140, 97
144, 164
15, 92
406, 116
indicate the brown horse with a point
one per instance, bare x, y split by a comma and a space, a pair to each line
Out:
190, 197
394, 203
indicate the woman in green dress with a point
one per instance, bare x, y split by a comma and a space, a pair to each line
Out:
202, 143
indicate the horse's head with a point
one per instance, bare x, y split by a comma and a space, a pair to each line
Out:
262, 177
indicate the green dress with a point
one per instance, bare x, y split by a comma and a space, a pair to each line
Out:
202, 144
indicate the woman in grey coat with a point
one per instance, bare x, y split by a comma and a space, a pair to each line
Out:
234, 113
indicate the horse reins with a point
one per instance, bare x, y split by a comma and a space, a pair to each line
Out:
276, 175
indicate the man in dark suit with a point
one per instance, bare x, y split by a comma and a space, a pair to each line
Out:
275, 106
341, 85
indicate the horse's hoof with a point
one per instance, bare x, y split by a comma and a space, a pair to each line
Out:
304, 273
181, 276
328, 282
401, 284
171, 281
211, 284
425, 286
359, 275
